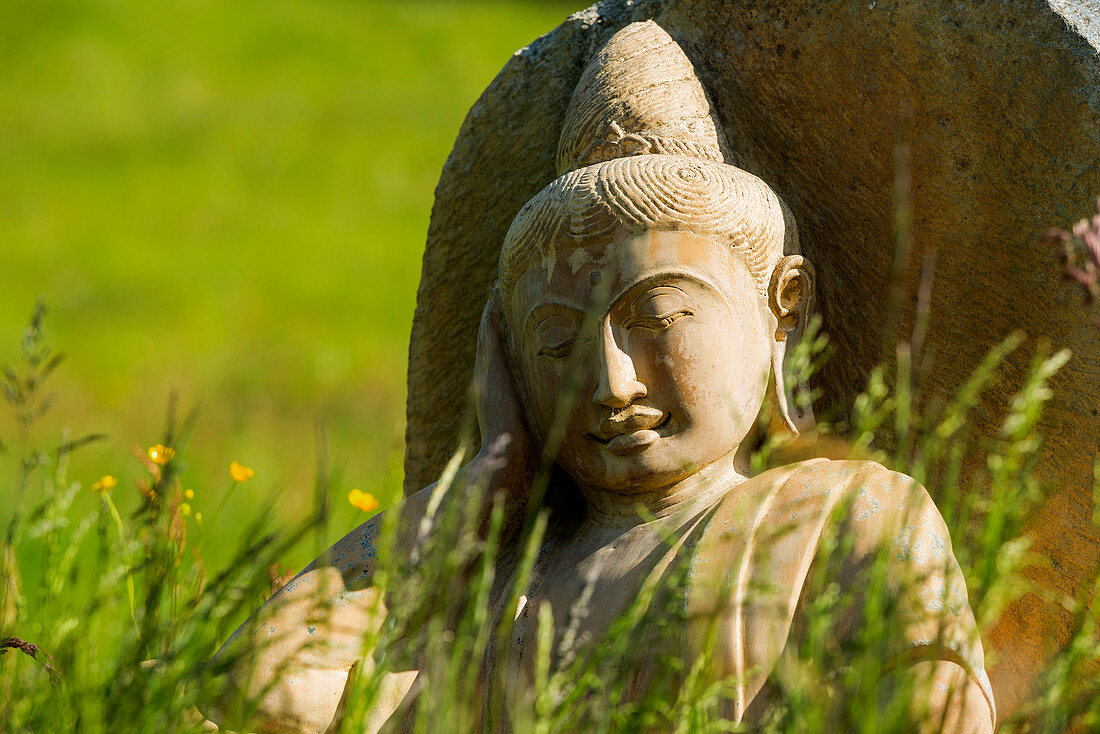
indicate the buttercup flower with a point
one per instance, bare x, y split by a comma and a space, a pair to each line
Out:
364, 501
189, 494
185, 509
161, 455
240, 472
104, 484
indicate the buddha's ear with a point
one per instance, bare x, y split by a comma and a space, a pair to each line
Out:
790, 294
498, 391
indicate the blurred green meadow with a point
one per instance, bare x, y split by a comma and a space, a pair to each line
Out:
228, 201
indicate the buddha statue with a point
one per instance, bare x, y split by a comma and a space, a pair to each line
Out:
636, 341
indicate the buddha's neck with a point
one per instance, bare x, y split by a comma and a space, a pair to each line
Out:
686, 497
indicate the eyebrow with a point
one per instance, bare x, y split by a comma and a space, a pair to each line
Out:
545, 309
665, 275
554, 304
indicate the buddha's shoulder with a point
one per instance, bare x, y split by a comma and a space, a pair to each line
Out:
862, 496
832, 475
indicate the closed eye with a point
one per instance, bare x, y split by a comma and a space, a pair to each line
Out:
658, 322
658, 308
555, 332
557, 351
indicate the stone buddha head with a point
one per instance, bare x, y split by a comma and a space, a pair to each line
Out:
648, 292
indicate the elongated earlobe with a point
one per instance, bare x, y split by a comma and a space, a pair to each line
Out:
780, 405
790, 295
500, 309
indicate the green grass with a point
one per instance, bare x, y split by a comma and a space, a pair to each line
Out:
129, 607
229, 200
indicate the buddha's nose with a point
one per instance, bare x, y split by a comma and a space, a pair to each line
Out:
617, 384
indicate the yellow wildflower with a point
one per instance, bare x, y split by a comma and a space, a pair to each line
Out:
161, 455
364, 501
185, 509
189, 494
198, 518
240, 472
104, 484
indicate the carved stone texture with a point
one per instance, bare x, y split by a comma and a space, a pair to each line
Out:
1000, 112
639, 82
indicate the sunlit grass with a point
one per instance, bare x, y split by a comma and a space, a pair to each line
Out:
122, 611
229, 200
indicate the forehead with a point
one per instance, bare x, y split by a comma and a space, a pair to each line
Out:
579, 276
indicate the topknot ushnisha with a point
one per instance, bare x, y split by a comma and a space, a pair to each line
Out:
639, 94
640, 149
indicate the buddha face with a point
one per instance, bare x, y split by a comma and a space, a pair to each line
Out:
650, 354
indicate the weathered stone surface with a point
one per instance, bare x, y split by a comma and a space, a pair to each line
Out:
1000, 109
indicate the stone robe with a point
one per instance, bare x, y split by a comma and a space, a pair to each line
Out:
748, 568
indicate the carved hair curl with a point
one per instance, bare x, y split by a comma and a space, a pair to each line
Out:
664, 192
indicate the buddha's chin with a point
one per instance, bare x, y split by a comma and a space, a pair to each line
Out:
650, 464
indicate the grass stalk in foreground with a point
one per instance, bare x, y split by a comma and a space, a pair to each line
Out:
126, 614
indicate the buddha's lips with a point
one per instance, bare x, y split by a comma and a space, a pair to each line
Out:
629, 420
